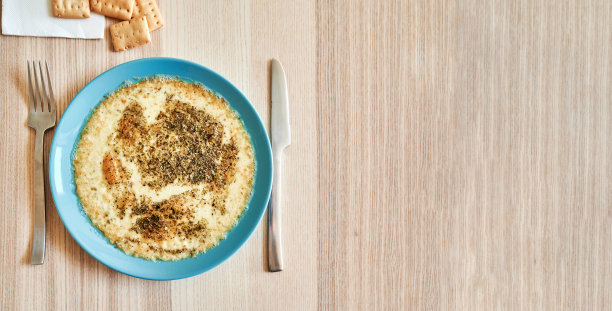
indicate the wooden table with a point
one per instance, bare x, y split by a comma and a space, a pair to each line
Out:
446, 155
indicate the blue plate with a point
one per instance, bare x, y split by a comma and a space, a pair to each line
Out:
61, 171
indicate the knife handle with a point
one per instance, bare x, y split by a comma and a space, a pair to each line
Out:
275, 251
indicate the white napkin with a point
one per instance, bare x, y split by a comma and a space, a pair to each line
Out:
35, 18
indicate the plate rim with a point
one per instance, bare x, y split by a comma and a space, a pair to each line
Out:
266, 148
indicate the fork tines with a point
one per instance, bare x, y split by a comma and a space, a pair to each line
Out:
41, 97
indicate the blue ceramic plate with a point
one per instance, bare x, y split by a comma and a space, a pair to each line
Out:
61, 171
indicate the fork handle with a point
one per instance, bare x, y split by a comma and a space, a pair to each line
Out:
38, 245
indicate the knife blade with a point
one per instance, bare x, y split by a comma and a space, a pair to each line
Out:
280, 136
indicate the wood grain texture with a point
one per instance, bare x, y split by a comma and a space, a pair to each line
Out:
446, 155
464, 159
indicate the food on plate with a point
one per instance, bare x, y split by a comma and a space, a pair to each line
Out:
164, 168
130, 34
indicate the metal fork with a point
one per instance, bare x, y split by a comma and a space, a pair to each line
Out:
42, 117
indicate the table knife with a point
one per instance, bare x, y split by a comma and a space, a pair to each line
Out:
280, 136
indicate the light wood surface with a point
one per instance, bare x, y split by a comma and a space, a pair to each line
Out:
446, 155
464, 155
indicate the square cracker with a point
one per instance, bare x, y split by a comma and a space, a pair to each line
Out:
120, 9
149, 9
71, 8
130, 34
